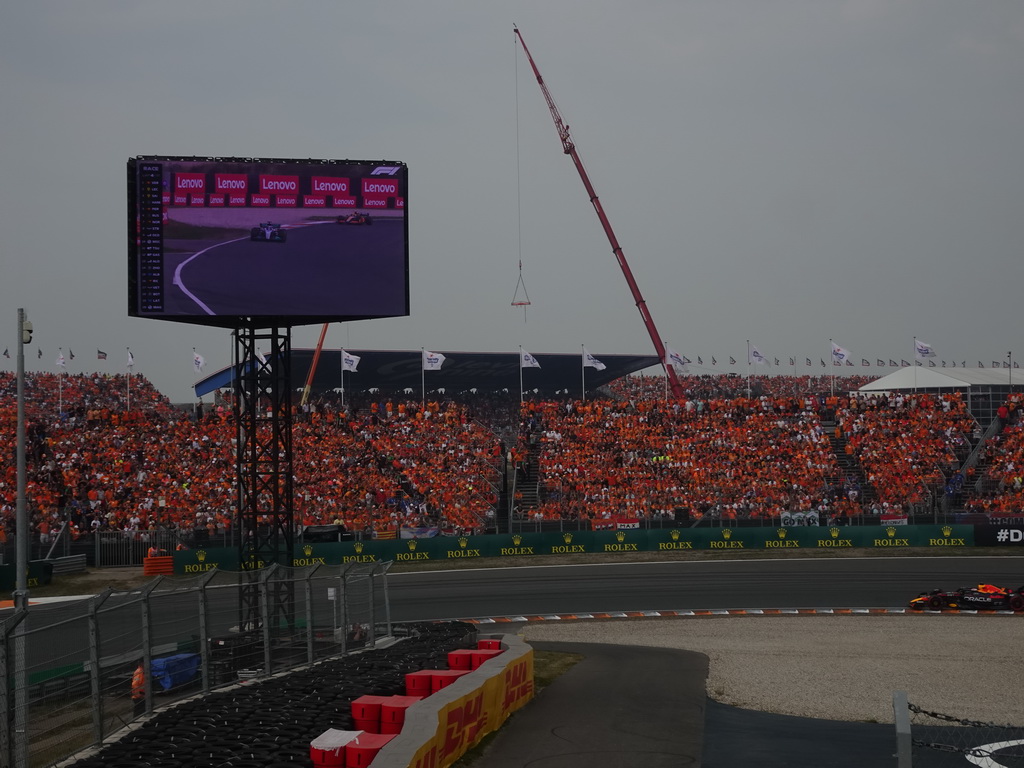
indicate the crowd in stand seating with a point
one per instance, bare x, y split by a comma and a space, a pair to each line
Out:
1002, 492
101, 466
910, 445
732, 448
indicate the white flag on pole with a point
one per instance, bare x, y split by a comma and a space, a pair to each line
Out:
131, 359
526, 360
839, 355
60, 360
349, 362
922, 350
260, 357
676, 360
198, 361
432, 361
755, 356
589, 361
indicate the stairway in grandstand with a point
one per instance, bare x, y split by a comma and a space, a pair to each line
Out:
849, 464
527, 493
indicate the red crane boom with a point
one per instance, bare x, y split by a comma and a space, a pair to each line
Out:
570, 149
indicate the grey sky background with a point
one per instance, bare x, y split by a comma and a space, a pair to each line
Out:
787, 171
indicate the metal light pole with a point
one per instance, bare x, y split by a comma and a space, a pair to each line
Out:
20, 595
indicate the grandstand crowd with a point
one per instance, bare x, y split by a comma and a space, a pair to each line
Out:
106, 454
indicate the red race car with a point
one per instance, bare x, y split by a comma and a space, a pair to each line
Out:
986, 597
355, 218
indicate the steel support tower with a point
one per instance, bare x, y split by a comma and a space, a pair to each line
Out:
263, 418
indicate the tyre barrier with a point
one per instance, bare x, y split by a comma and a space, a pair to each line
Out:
269, 723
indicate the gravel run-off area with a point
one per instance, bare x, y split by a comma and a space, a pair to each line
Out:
838, 667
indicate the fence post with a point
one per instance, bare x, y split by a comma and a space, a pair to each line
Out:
384, 568
265, 613
7, 756
204, 631
95, 688
308, 586
147, 643
341, 605
901, 716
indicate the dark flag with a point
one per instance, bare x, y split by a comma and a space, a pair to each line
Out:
980, 365
822, 362
931, 363
864, 362
943, 363
101, 355
776, 361
7, 353
892, 364
792, 361
732, 360
699, 361
904, 363
995, 363
39, 353
713, 361
849, 361
71, 355
809, 363
880, 363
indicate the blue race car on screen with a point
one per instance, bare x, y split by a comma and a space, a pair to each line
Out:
984, 597
268, 232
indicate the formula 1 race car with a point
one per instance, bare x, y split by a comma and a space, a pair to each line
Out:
268, 232
355, 218
987, 597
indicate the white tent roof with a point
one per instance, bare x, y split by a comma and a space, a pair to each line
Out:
919, 377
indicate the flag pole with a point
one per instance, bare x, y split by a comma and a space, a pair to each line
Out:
583, 374
343, 377
423, 379
748, 369
129, 382
832, 359
520, 374
60, 388
914, 363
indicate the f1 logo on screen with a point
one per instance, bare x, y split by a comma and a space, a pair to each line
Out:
385, 170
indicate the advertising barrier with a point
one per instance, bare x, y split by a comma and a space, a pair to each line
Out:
440, 729
528, 545
999, 535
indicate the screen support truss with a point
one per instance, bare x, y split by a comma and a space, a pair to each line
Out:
263, 416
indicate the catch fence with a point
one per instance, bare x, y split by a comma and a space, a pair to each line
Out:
72, 663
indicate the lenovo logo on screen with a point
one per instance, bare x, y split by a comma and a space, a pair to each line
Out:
190, 182
230, 182
279, 184
375, 202
331, 185
385, 187
314, 201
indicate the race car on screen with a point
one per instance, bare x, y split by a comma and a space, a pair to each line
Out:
268, 232
982, 597
355, 218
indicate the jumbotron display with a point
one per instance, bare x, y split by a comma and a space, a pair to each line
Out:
281, 242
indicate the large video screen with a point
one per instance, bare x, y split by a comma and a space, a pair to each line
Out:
216, 241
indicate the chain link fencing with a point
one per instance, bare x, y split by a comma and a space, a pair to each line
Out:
73, 665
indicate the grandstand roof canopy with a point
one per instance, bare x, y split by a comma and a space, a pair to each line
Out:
919, 377
398, 370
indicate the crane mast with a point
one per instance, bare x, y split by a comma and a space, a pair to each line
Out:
570, 149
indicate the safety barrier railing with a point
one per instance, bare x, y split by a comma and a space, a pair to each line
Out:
80, 670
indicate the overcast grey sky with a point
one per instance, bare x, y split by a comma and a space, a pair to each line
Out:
784, 171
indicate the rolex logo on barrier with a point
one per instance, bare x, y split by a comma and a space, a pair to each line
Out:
946, 530
201, 555
782, 533
890, 540
947, 540
359, 557
358, 547
202, 565
517, 540
622, 545
726, 542
890, 531
463, 542
781, 542
674, 542
569, 547
412, 554
411, 545
833, 532
674, 535
307, 550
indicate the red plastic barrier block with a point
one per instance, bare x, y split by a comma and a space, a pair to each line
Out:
391, 728
418, 683
369, 726
441, 678
360, 752
479, 657
460, 659
489, 645
328, 749
367, 707
393, 710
